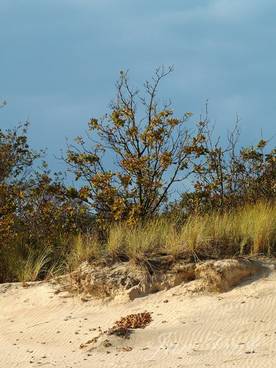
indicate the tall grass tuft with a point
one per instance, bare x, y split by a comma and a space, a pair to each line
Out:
82, 248
33, 267
248, 230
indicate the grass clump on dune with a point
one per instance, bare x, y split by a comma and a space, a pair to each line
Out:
249, 230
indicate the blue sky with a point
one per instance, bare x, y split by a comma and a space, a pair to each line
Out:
60, 59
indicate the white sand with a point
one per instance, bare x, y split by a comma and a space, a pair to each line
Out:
234, 329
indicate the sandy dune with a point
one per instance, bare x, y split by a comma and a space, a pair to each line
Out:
233, 329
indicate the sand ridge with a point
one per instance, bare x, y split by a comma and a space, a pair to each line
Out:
233, 329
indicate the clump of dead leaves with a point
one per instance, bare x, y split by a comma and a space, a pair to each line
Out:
123, 327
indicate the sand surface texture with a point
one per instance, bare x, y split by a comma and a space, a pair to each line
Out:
234, 329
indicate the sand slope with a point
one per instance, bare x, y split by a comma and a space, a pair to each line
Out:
234, 329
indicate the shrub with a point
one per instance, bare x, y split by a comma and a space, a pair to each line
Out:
151, 150
36, 214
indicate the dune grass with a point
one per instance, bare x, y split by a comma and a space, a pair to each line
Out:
33, 266
19, 267
82, 248
250, 230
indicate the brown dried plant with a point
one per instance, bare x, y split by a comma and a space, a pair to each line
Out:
125, 325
